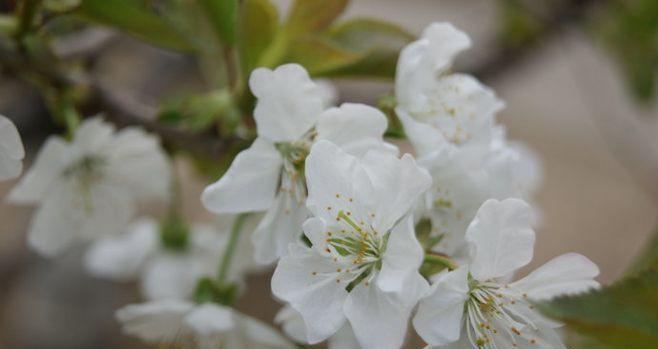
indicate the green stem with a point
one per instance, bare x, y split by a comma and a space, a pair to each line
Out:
230, 248
26, 10
440, 260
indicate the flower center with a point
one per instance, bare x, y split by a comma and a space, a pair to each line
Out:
86, 170
294, 157
489, 314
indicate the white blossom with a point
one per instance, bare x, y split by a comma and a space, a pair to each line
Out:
203, 326
475, 305
293, 326
290, 116
11, 150
450, 120
363, 263
88, 188
166, 272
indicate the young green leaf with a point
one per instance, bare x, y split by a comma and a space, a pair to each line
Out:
135, 18
320, 56
309, 16
259, 23
621, 316
223, 16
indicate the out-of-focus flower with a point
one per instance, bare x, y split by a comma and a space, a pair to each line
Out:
87, 188
450, 120
293, 326
290, 116
475, 306
11, 150
169, 273
203, 326
364, 260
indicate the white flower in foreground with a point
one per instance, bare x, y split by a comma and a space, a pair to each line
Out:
474, 305
363, 265
203, 326
450, 120
168, 272
87, 188
11, 150
293, 326
290, 116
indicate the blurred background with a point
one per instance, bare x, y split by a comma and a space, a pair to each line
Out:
579, 81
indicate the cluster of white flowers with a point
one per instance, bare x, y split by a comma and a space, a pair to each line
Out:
365, 240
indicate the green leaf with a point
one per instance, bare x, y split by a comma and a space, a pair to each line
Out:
320, 56
259, 23
223, 16
621, 316
310, 16
136, 18
378, 42
648, 260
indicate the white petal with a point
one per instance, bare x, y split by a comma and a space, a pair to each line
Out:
288, 102
170, 275
123, 257
330, 177
250, 184
501, 238
209, 319
43, 175
262, 335
11, 150
396, 186
292, 323
425, 139
344, 339
92, 136
439, 317
154, 322
71, 215
317, 297
379, 319
136, 159
446, 41
281, 226
356, 128
402, 258
567, 274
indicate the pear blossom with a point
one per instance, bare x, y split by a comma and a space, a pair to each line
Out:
363, 263
450, 120
11, 150
291, 114
203, 326
475, 305
87, 188
165, 272
293, 326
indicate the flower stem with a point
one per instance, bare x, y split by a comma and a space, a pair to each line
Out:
230, 248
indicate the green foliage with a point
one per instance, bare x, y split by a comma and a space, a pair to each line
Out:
311, 16
629, 31
200, 111
134, 17
622, 316
223, 15
519, 25
209, 291
259, 24
320, 56
174, 233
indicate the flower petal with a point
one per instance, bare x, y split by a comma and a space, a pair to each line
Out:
249, 184
401, 261
71, 214
501, 238
209, 319
92, 136
136, 159
310, 283
123, 257
397, 184
42, 176
567, 274
11, 150
262, 335
439, 317
356, 128
426, 140
170, 276
344, 339
288, 102
292, 323
154, 322
379, 319
281, 226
